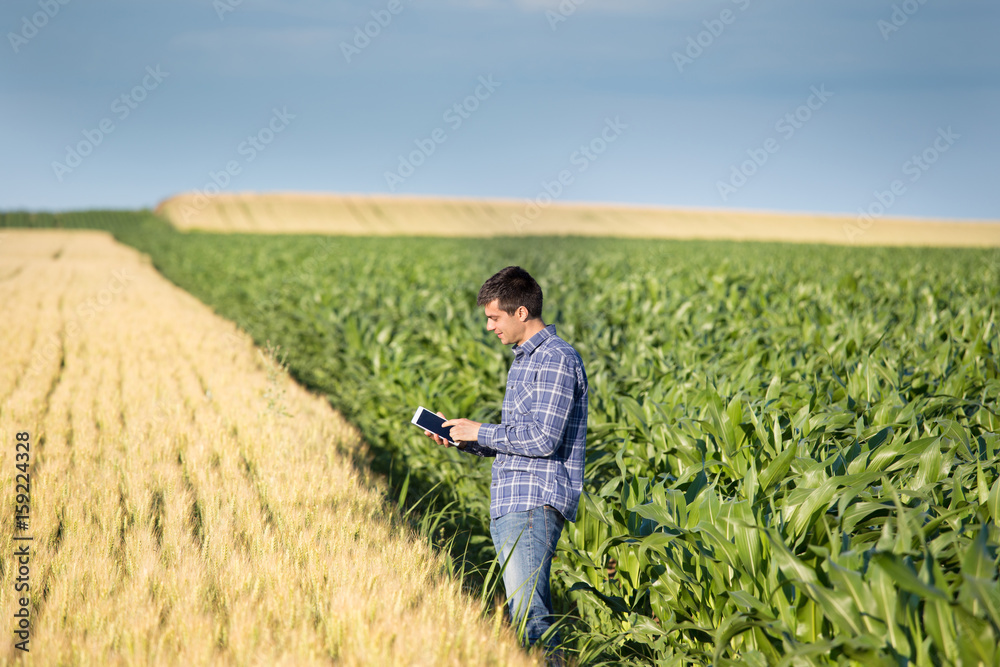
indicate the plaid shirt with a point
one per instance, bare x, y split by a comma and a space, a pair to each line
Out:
539, 447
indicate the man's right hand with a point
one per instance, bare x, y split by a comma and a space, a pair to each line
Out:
438, 439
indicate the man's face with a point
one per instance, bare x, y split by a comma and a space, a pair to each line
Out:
508, 328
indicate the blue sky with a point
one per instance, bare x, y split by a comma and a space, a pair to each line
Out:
742, 104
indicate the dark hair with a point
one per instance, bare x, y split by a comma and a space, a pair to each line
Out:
512, 287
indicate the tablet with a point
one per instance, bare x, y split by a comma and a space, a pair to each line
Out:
429, 421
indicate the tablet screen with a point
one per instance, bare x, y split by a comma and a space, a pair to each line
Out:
429, 421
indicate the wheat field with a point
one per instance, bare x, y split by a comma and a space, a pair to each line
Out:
190, 504
379, 215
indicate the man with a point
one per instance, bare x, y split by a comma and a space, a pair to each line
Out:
539, 445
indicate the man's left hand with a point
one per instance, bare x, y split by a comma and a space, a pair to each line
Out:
463, 430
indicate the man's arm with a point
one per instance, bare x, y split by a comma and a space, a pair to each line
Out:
540, 432
477, 449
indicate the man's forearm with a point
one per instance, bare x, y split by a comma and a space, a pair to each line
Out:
528, 439
477, 449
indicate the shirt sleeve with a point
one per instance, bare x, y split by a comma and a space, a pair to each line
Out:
538, 433
477, 449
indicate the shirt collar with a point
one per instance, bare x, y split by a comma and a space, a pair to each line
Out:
540, 337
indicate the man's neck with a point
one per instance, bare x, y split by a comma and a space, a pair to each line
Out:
531, 327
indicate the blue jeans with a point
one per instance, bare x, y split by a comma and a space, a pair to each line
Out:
526, 577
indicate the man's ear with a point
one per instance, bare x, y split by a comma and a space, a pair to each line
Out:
524, 317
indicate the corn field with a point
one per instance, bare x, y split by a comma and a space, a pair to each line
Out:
792, 450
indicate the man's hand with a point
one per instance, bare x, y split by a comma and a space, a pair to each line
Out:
463, 430
459, 440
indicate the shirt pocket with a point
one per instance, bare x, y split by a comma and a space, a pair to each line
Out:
522, 400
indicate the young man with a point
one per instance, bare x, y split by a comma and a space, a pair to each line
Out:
539, 445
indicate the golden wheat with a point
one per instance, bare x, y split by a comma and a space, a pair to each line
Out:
190, 504
425, 216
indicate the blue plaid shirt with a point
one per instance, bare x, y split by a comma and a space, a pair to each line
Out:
539, 447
